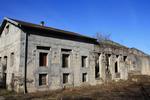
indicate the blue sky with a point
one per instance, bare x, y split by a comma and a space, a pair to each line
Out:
128, 21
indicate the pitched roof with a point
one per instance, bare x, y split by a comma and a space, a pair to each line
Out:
42, 28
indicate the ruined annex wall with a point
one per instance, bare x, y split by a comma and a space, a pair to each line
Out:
145, 65
141, 65
135, 64
140, 62
10, 43
115, 54
54, 69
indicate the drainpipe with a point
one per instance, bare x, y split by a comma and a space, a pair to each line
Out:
25, 67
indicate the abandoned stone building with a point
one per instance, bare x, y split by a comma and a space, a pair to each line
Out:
38, 58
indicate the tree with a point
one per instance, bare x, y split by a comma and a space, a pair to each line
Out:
104, 40
102, 37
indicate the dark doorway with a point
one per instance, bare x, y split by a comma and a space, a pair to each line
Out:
116, 67
12, 82
97, 66
4, 80
97, 74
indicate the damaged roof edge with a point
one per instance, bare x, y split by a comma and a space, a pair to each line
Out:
10, 20
6, 19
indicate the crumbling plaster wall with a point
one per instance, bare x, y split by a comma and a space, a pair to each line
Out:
116, 55
141, 61
54, 69
136, 62
10, 43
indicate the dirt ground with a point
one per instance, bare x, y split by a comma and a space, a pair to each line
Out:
136, 88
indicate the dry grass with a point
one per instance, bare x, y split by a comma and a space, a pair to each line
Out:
136, 88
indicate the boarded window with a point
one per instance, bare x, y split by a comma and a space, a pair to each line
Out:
43, 61
84, 61
12, 59
65, 78
65, 60
42, 79
116, 67
84, 77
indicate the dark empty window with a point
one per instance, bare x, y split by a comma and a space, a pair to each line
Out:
116, 67
97, 70
43, 59
84, 61
65, 60
5, 62
65, 78
66, 50
124, 58
43, 48
42, 79
97, 66
84, 77
117, 56
12, 59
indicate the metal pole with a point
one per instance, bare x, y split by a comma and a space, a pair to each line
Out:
25, 67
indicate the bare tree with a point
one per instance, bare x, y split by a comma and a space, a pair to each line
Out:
104, 40
102, 37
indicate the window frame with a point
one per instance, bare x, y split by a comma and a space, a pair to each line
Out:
66, 76
125, 58
45, 63
45, 75
63, 62
84, 64
84, 77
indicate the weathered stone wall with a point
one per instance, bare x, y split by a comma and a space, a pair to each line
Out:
103, 63
54, 69
10, 43
115, 54
140, 62
145, 65
133, 63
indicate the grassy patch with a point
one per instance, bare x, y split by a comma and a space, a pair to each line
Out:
121, 90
